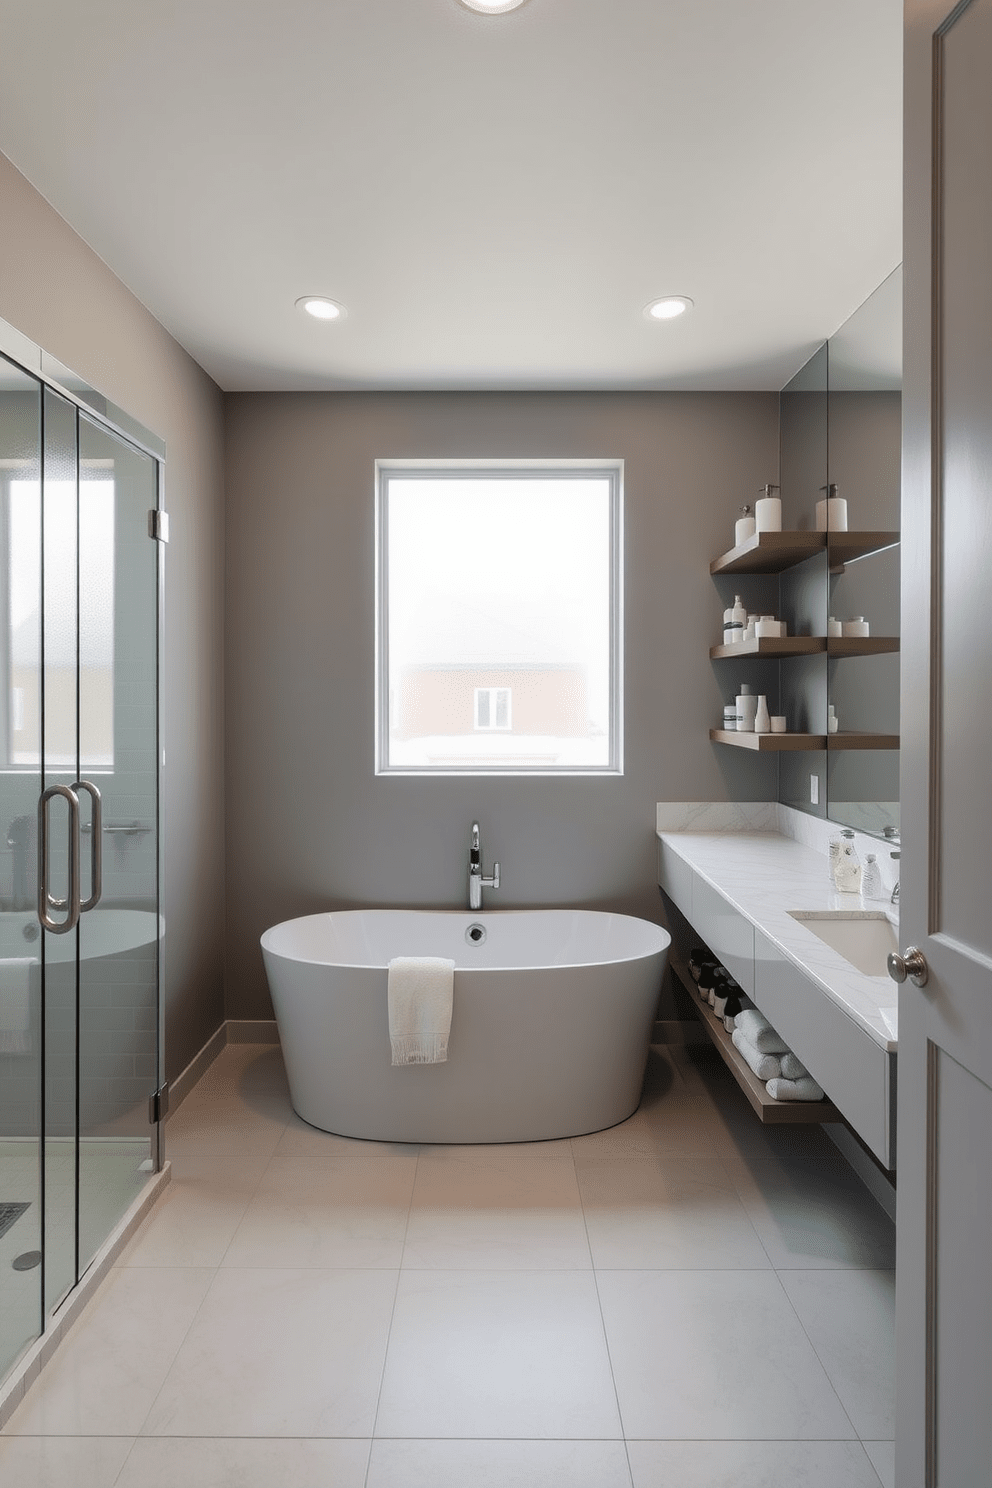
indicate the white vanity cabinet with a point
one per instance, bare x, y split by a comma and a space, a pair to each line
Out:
855, 1071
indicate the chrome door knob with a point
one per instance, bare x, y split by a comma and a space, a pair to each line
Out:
913, 965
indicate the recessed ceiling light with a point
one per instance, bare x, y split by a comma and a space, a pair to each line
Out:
320, 307
492, 7
668, 308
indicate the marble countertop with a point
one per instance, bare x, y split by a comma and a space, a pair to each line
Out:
765, 874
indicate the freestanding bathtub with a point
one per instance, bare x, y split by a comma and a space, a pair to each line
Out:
550, 1025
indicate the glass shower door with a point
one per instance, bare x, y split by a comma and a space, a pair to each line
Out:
117, 766
20, 785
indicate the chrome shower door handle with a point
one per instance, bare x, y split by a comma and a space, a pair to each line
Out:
96, 845
46, 901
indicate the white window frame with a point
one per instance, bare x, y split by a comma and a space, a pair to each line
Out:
387, 470
492, 693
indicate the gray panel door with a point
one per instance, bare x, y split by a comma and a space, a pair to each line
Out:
944, 1293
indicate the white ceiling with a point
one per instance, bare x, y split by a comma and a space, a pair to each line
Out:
493, 198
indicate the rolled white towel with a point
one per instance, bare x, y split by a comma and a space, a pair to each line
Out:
793, 1068
759, 1032
765, 1066
805, 1089
419, 991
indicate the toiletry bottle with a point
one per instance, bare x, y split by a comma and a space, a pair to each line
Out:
730, 718
768, 510
747, 706
738, 618
871, 879
831, 512
762, 722
728, 626
766, 627
847, 869
744, 527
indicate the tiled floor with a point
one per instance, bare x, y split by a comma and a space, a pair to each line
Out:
688, 1299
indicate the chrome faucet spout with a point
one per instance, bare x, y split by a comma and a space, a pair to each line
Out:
476, 881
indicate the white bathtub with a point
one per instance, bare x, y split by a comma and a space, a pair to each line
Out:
549, 1032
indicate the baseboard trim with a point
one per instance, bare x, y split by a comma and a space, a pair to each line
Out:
39, 1353
231, 1031
180, 1087
252, 1031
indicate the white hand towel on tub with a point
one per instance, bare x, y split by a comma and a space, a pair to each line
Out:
15, 1004
420, 990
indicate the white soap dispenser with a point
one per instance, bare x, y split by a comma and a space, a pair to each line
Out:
744, 527
768, 510
739, 618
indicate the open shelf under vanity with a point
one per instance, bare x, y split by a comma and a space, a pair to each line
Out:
766, 1108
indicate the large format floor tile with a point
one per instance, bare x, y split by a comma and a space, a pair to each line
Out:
497, 1354
814, 1213
850, 1319
656, 1212
883, 1456
714, 1355
280, 1353
316, 1212
164, 1462
498, 1464
479, 1208
62, 1461
194, 1221
103, 1381
750, 1464
311, 1309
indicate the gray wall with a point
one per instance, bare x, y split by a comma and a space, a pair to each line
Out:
56, 291
309, 825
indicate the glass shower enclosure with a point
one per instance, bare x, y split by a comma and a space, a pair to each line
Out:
80, 921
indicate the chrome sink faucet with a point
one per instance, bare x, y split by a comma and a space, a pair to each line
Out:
476, 882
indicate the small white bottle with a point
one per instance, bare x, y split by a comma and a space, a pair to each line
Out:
768, 511
747, 706
831, 512
871, 879
833, 723
739, 618
744, 527
728, 626
766, 627
856, 626
762, 722
834, 627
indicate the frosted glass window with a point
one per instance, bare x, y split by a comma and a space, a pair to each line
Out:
499, 619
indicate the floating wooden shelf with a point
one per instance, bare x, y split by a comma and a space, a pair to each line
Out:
769, 552
845, 547
771, 646
861, 645
769, 742
854, 740
771, 1112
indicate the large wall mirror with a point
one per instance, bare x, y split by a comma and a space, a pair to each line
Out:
864, 371
840, 425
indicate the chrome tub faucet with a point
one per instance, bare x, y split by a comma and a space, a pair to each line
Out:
476, 882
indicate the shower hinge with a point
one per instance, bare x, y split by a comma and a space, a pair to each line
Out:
158, 1104
158, 525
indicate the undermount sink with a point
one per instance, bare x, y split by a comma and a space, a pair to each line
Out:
863, 937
